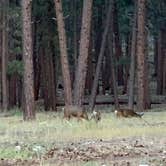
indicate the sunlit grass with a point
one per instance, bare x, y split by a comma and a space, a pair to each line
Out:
50, 128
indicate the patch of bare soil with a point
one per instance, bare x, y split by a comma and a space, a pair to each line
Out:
116, 152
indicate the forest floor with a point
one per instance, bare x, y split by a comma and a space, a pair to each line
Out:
50, 140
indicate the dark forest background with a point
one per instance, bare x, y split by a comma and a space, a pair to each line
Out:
112, 49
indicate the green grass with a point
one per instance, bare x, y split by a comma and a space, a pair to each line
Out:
49, 128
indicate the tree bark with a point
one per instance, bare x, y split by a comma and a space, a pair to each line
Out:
164, 73
155, 55
44, 76
127, 67
132, 61
106, 73
51, 87
36, 59
63, 53
141, 56
12, 91
99, 62
118, 48
81, 72
89, 76
28, 84
1, 22
5, 101
111, 52
75, 33
159, 64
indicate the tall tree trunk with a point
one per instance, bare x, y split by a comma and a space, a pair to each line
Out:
106, 73
155, 55
75, 32
146, 79
99, 62
63, 53
28, 85
164, 73
1, 23
36, 58
19, 92
12, 80
127, 67
132, 61
44, 76
118, 48
161, 60
112, 58
51, 81
164, 60
5, 4
89, 76
160, 64
80, 78
141, 56
12, 91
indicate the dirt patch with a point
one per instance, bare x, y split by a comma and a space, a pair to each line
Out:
120, 152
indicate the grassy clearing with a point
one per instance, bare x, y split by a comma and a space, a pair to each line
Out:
20, 139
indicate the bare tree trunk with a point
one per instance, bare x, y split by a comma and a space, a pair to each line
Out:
118, 48
133, 59
99, 62
106, 72
155, 55
52, 84
1, 23
80, 78
141, 56
147, 101
12, 91
63, 53
127, 67
110, 46
75, 33
36, 59
160, 64
5, 4
164, 73
89, 76
28, 85
44, 77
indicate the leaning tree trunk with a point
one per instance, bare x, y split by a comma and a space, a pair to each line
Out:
63, 53
133, 59
141, 56
5, 4
28, 84
99, 62
80, 78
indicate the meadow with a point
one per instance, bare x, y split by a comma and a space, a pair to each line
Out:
33, 140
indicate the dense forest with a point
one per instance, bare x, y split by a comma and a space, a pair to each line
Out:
81, 54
